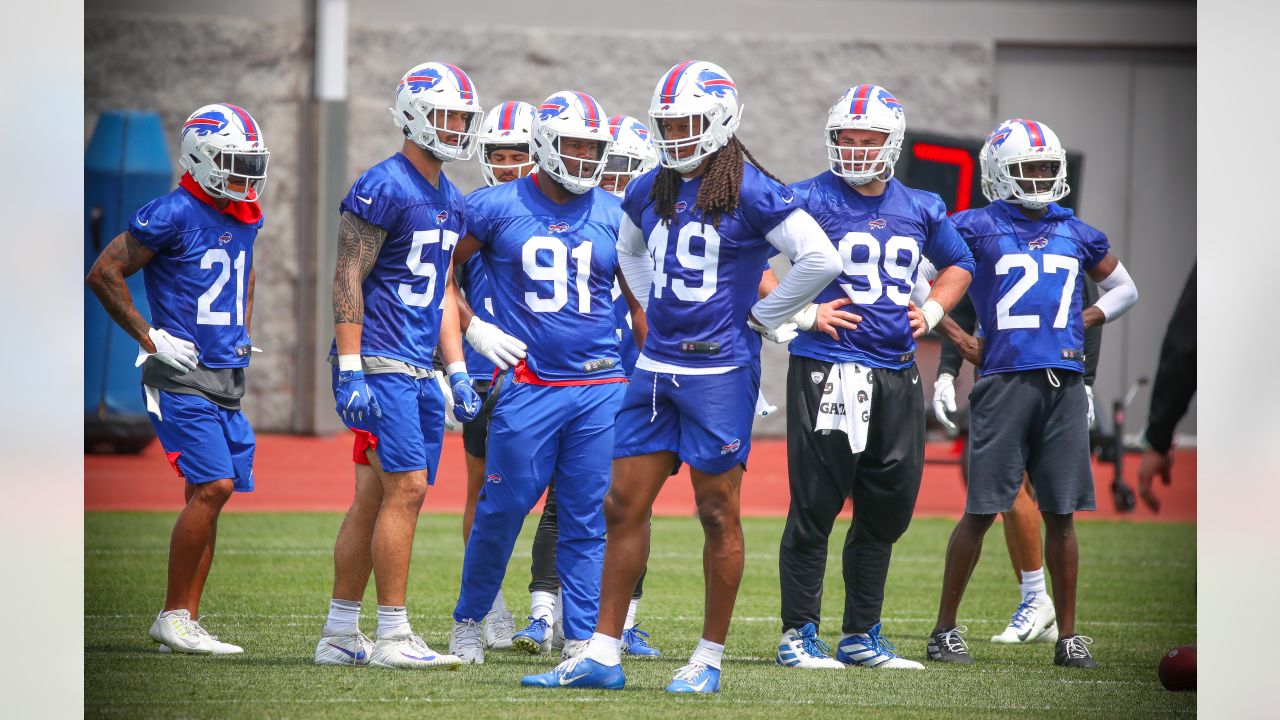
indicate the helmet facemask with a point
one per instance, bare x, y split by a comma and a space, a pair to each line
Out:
573, 173
861, 164
490, 169
1018, 184
619, 171
708, 132
435, 135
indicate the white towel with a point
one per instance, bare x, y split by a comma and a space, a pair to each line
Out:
846, 403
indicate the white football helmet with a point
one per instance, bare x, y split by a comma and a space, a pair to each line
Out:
1010, 145
433, 93
632, 154
704, 93
865, 107
570, 114
223, 145
505, 126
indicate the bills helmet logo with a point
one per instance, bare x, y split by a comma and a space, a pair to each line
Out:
889, 101
681, 205
424, 79
205, 123
877, 224
1000, 135
558, 227
224, 238
494, 478
442, 216
732, 446
639, 129
1039, 243
713, 83
552, 108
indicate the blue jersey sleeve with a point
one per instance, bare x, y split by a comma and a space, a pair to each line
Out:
1094, 246
371, 201
944, 247
478, 225
764, 202
153, 226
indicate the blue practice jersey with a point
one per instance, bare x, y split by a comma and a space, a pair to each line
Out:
626, 339
880, 240
551, 270
404, 292
1029, 285
475, 285
706, 279
197, 281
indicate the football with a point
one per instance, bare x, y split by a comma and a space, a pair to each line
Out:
1178, 669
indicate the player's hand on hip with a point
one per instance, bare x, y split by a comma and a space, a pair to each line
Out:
466, 401
173, 351
1154, 464
356, 404
1093, 418
830, 319
490, 341
944, 400
919, 324
782, 334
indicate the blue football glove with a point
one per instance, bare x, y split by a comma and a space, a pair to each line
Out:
466, 402
356, 404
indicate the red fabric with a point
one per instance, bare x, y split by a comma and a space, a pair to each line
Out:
173, 460
246, 211
525, 375
365, 441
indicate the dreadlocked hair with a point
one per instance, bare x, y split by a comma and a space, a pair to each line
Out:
721, 185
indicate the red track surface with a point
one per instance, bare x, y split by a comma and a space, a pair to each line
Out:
295, 473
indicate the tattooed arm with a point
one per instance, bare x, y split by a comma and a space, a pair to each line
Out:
358, 246
123, 257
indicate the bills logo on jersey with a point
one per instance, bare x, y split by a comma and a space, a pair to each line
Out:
713, 83
442, 216
681, 206
731, 447
553, 107
1039, 243
205, 123
424, 80
877, 224
494, 478
558, 227
224, 238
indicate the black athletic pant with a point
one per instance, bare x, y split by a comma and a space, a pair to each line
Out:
883, 481
543, 568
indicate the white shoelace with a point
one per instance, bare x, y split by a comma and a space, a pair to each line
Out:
690, 672
953, 642
1076, 646
467, 636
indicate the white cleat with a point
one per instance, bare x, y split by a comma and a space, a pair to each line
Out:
344, 650
1034, 621
873, 650
467, 642
499, 627
805, 650
219, 647
177, 632
409, 652
572, 649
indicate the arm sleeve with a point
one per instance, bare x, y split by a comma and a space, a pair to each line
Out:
944, 247
966, 316
634, 260
152, 227
1092, 337
1176, 375
815, 263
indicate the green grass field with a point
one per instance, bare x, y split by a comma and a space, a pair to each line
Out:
270, 584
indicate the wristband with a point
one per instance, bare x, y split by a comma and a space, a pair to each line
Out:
454, 368
350, 363
933, 313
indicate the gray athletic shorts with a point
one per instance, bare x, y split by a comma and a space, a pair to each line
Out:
1035, 420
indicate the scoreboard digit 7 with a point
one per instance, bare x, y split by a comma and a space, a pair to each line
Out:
948, 165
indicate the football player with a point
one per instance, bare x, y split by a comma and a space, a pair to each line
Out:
504, 156
855, 410
400, 222
694, 237
1029, 410
548, 246
195, 249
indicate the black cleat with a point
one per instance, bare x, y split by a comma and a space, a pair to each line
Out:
948, 647
1074, 652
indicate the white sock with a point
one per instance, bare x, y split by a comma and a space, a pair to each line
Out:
344, 617
543, 606
392, 620
631, 614
499, 604
708, 653
604, 649
1033, 582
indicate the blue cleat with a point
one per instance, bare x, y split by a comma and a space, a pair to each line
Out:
636, 642
579, 672
533, 639
695, 678
872, 650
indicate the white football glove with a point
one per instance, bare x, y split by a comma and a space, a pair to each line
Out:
172, 351
782, 334
490, 341
763, 408
1088, 391
806, 318
944, 400
443, 382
